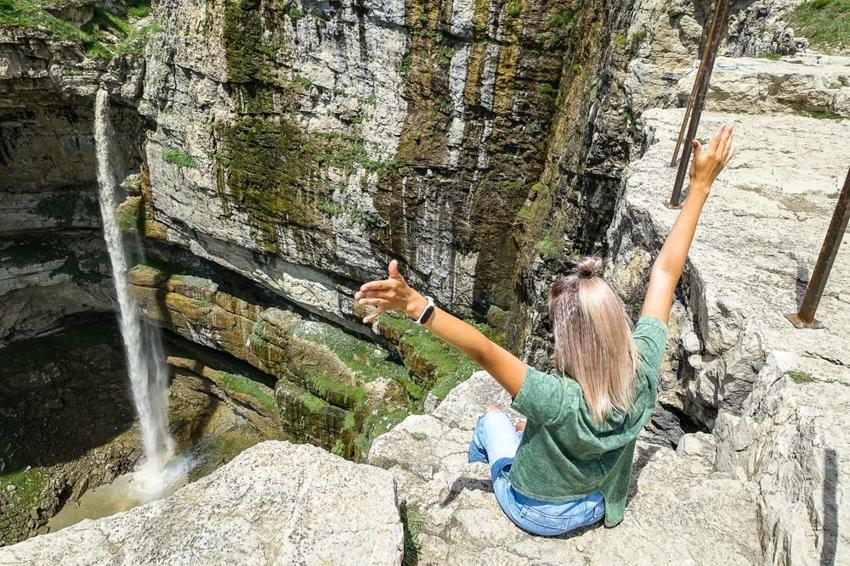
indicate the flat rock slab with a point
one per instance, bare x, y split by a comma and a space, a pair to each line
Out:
681, 512
763, 225
805, 84
276, 503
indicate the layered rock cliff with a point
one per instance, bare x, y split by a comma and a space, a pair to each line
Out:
278, 153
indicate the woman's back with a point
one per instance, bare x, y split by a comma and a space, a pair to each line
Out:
565, 452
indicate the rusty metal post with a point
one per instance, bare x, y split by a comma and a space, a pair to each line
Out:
721, 14
697, 82
806, 317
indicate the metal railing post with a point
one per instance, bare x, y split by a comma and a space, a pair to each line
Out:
697, 80
718, 27
805, 318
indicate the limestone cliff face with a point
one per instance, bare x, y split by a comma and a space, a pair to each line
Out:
300, 147
325, 140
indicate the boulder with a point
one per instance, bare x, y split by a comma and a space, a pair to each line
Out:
276, 503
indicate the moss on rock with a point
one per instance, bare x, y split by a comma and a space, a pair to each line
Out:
264, 166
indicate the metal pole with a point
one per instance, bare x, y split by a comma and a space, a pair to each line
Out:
721, 14
697, 81
806, 317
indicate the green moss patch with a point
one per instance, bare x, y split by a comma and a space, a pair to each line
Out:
265, 166
245, 58
825, 23
547, 247
97, 36
437, 366
241, 384
312, 403
800, 377
366, 359
179, 158
28, 486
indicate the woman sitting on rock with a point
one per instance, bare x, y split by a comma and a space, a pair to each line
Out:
572, 463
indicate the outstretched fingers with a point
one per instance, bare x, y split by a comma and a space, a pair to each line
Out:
373, 315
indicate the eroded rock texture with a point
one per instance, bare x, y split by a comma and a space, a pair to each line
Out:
276, 503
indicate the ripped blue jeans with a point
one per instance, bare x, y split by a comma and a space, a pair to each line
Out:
495, 441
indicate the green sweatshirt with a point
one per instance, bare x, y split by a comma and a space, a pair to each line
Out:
565, 454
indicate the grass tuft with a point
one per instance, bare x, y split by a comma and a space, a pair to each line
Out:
825, 23
179, 158
801, 377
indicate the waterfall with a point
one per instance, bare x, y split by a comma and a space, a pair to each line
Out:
145, 360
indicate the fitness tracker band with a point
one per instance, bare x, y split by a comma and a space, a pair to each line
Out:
426, 314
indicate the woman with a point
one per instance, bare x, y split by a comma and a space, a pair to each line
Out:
572, 463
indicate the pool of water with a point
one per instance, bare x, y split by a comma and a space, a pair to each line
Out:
223, 438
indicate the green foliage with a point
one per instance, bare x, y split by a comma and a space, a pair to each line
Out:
241, 384
620, 40
127, 215
412, 520
539, 189
800, 377
347, 395
301, 81
138, 9
771, 56
347, 152
295, 12
443, 57
548, 93
364, 358
330, 208
433, 361
513, 9
31, 14
135, 41
95, 36
176, 157
338, 448
349, 422
547, 247
404, 67
825, 23
637, 38
560, 25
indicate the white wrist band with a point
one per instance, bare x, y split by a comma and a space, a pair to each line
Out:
426, 312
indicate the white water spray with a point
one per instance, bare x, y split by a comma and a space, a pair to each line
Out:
145, 360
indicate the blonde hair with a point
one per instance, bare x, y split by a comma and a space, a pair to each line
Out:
593, 339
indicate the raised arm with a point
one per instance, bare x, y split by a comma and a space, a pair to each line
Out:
394, 293
707, 165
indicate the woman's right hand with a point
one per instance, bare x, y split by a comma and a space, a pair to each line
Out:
391, 294
709, 161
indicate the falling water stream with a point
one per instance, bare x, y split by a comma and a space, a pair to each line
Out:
145, 360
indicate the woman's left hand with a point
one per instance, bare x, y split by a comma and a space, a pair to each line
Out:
391, 294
